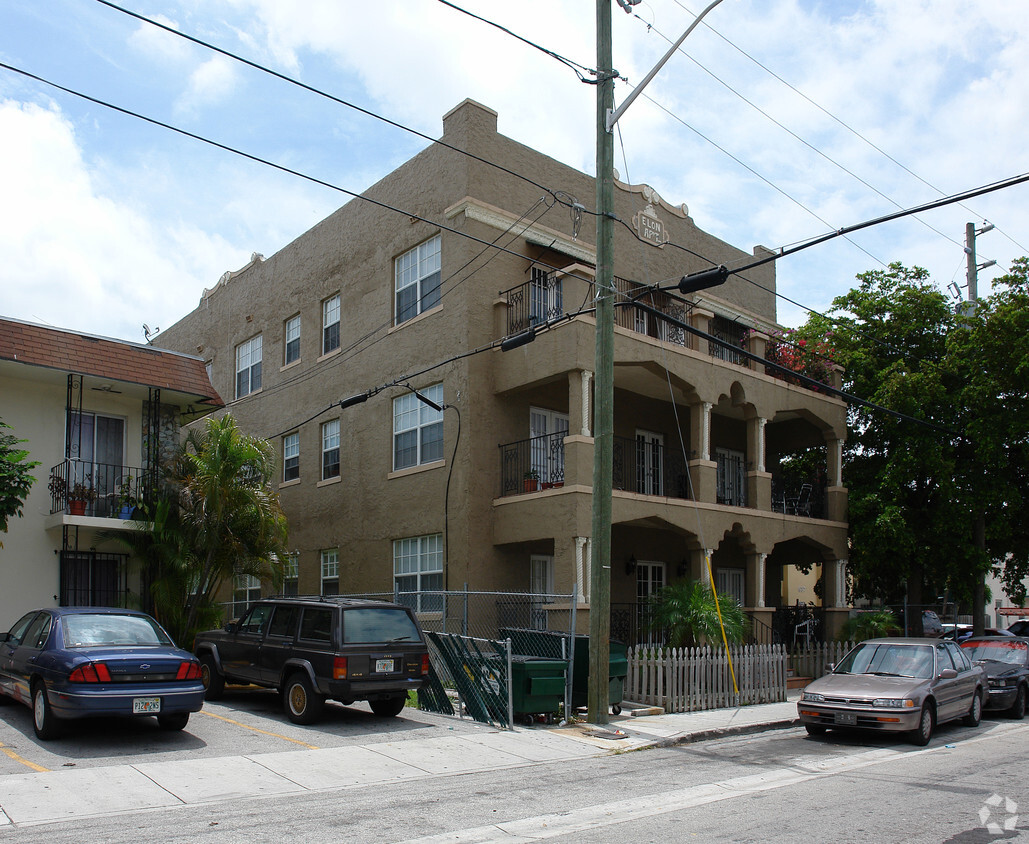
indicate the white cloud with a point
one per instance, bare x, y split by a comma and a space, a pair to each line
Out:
210, 83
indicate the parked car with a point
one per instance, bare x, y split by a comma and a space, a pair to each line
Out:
1006, 661
312, 649
960, 632
1019, 628
903, 685
78, 662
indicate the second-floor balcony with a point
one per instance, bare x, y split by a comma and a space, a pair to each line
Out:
103, 490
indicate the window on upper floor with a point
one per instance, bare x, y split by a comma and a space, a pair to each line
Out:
245, 590
417, 429
330, 449
292, 339
417, 280
330, 324
290, 457
248, 366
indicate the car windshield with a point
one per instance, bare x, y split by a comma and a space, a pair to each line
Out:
379, 624
1013, 652
896, 659
87, 630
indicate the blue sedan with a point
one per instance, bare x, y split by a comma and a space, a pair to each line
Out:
80, 662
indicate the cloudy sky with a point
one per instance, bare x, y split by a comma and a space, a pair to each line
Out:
780, 120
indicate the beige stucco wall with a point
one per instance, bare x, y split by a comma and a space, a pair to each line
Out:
489, 538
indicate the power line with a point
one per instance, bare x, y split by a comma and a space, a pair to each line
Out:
838, 120
573, 65
310, 88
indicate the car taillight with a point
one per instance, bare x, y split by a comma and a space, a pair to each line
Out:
339, 668
188, 671
425, 664
91, 672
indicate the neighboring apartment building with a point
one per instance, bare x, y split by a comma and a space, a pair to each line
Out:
494, 490
98, 415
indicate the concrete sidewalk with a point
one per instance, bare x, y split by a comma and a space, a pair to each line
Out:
36, 798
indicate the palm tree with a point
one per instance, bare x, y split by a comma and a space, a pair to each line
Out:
232, 519
686, 610
869, 625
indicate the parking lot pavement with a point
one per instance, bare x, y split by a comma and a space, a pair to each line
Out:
242, 748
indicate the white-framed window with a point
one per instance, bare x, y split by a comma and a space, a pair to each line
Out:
291, 574
541, 585
330, 449
418, 568
649, 451
547, 432
545, 300
417, 429
330, 571
245, 590
731, 477
650, 577
248, 366
292, 339
417, 280
330, 324
731, 583
291, 457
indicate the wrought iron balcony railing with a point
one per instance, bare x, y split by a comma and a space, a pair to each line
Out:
107, 490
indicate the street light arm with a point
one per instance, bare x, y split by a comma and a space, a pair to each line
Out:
614, 115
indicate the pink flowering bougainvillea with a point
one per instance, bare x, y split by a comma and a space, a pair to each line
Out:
813, 358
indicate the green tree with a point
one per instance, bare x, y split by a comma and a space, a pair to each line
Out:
919, 492
231, 520
686, 612
15, 480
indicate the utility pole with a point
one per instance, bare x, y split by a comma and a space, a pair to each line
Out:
603, 408
603, 386
979, 526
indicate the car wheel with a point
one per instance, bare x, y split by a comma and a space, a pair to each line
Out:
388, 707
815, 729
176, 721
44, 722
214, 683
926, 724
1017, 710
303, 704
975, 714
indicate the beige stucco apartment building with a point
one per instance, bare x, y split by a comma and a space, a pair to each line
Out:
400, 299
98, 415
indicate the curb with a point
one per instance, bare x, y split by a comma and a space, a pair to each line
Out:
722, 732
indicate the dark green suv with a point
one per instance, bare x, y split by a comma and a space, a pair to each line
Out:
315, 648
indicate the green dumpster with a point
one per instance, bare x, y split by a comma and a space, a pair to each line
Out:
553, 645
537, 686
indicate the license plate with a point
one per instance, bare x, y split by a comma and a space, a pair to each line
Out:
146, 705
384, 666
846, 719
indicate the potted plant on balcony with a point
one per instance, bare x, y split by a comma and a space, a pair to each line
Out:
126, 500
79, 495
532, 480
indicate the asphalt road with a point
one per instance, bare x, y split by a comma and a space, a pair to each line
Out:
774, 786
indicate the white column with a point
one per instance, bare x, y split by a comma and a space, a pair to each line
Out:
705, 431
761, 577
587, 379
705, 566
760, 456
841, 583
581, 555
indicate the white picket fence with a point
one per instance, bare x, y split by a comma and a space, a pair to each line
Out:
813, 660
693, 679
